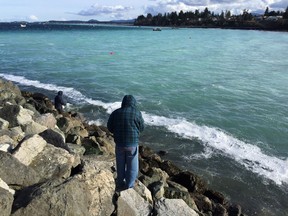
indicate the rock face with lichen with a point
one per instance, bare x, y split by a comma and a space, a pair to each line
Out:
54, 164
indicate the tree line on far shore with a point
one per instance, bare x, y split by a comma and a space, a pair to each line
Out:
269, 20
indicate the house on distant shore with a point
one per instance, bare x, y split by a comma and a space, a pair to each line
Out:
273, 18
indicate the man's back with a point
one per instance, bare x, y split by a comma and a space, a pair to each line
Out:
126, 123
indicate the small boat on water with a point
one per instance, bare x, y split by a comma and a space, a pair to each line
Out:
23, 25
156, 29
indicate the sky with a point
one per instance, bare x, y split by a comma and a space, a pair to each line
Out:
106, 10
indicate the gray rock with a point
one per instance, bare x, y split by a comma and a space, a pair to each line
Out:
56, 197
76, 149
16, 115
100, 183
48, 120
16, 174
4, 186
54, 138
172, 207
3, 124
53, 162
130, 203
29, 148
33, 128
10, 93
6, 201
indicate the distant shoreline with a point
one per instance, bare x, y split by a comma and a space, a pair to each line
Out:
69, 25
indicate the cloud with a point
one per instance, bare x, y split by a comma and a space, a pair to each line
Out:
235, 6
33, 18
97, 10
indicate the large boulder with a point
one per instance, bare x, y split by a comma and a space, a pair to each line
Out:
87, 192
40, 101
53, 162
29, 148
3, 124
48, 120
6, 201
15, 133
98, 177
172, 207
15, 173
66, 124
191, 181
53, 137
130, 203
33, 128
55, 197
16, 115
10, 93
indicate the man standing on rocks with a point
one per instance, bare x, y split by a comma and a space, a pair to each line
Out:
59, 102
126, 123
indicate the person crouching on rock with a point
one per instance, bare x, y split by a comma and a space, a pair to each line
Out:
126, 123
59, 102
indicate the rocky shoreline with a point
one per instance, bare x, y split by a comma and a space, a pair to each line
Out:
54, 164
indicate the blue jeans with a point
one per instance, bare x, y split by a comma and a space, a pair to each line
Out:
127, 166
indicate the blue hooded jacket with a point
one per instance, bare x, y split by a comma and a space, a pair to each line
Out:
126, 123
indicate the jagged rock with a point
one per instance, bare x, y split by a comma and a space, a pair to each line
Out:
95, 130
41, 102
54, 138
154, 175
53, 162
10, 93
16, 115
29, 148
145, 151
191, 181
32, 108
4, 186
172, 207
33, 128
170, 168
5, 147
176, 186
220, 210
65, 123
47, 120
173, 193
6, 201
130, 203
55, 197
73, 138
215, 196
235, 210
203, 203
106, 145
157, 189
76, 149
7, 143
16, 174
91, 146
143, 191
100, 183
16, 134
79, 131
3, 124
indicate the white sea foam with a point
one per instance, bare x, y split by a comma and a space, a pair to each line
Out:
250, 156
69, 92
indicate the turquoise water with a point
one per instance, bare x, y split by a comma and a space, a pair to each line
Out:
214, 99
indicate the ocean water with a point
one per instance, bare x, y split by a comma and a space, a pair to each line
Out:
215, 100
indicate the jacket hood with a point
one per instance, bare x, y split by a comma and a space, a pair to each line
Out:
128, 100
